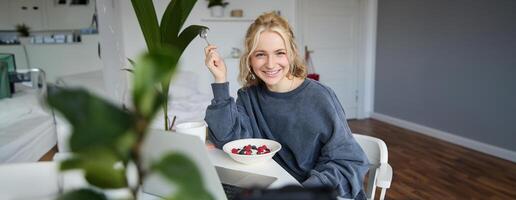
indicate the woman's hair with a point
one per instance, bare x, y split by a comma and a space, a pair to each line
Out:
274, 23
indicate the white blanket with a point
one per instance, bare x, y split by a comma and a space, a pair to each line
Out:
185, 100
27, 131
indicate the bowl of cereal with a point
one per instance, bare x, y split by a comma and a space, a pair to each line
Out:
251, 150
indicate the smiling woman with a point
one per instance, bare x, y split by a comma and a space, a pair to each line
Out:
278, 103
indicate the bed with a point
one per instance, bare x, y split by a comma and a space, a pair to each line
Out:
27, 130
186, 102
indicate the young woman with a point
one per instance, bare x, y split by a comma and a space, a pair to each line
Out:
278, 102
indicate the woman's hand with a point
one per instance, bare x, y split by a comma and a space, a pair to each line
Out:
215, 64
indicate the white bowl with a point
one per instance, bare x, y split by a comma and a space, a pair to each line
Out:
251, 159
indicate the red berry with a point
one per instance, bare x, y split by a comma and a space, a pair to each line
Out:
248, 153
234, 150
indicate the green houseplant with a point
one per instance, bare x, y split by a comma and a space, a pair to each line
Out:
105, 135
166, 34
212, 3
217, 7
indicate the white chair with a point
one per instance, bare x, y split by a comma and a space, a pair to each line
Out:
380, 172
37, 180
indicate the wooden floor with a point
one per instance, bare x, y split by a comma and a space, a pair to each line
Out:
49, 155
428, 168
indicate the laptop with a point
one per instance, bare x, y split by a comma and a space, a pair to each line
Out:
159, 143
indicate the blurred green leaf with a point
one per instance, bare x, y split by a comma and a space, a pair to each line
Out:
187, 195
146, 14
83, 194
71, 163
150, 70
99, 168
96, 122
181, 171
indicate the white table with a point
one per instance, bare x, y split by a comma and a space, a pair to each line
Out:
268, 168
218, 158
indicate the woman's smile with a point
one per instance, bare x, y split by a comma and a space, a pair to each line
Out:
272, 73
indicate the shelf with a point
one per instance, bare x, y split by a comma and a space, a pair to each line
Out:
228, 19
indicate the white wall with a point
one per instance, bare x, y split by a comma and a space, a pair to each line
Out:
225, 34
112, 50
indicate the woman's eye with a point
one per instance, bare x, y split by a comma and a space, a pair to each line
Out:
280, 53
260, 54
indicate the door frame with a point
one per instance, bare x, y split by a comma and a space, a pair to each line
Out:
366, 56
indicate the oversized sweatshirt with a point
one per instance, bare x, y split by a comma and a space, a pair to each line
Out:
309, 122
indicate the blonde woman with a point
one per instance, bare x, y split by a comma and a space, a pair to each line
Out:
278, 102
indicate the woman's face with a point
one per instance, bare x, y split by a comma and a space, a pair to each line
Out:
270, 61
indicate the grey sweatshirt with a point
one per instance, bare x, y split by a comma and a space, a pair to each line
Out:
309, 122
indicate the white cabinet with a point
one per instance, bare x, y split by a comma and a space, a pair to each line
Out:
45, 14
28, 12
67, 17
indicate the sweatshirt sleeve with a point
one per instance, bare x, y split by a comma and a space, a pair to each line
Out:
226, 119
342, 163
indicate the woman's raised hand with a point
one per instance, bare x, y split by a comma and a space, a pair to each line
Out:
215, 64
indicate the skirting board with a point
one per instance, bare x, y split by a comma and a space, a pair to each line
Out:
458, 140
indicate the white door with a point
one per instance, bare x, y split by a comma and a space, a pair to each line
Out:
330, 29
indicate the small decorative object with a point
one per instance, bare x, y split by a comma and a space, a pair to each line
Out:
237, 13
236, 52
217, 7
23, 30
311, 69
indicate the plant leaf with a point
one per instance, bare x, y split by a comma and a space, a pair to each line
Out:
96, 122
150, 70
187, 195
186, 37
83, 194
181, 171
98, 165
131, 61
146, 14
173, 19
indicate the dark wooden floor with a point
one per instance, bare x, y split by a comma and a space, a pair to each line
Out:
428, 168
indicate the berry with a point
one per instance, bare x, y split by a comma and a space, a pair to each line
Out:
251, 150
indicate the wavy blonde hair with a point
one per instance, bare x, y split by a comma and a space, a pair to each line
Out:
274, 23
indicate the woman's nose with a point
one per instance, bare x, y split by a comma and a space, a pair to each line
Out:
270, 62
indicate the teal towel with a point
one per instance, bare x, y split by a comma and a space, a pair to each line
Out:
5, 90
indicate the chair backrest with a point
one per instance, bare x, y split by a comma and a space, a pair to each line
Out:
5, 88
376, 151
38, 180
9, 59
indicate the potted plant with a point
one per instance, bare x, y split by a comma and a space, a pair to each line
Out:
107, 139
166, 34
217, 7
23, 33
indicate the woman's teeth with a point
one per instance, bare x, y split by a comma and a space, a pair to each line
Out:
272, 73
